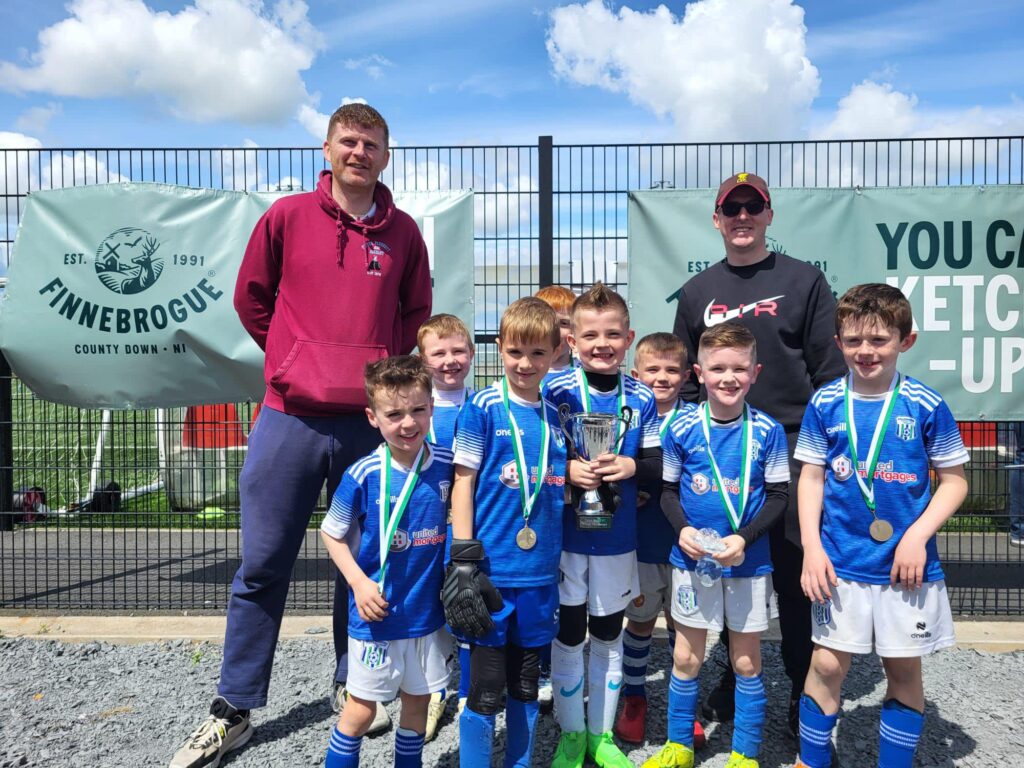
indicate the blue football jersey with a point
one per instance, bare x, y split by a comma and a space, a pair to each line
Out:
642, 433
412, 585
686, 462
484, 443
654, 533
446, 414
921, 434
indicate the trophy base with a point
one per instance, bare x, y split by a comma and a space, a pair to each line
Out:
594, 522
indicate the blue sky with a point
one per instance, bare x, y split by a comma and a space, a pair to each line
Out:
219, 73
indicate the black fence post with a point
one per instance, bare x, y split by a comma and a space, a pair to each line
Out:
6, 448
546, 202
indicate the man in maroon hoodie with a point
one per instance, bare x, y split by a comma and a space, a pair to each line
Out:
330, 280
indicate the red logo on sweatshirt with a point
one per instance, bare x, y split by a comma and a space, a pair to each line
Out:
375, 251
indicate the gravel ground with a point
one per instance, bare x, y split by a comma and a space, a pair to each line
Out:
104, 705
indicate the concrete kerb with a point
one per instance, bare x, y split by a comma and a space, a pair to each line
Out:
990, 636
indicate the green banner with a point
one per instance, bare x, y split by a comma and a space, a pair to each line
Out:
956, 252
120, 295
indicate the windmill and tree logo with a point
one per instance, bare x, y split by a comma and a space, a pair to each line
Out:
126, 261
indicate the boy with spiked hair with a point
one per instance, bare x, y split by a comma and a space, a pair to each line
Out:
385, 531
660, 363
599, 568
726, 469
446, 348
507, 536
871, 565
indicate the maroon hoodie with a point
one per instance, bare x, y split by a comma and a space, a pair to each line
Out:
323, 293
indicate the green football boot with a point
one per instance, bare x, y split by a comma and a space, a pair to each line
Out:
572, 749
605, 752
736, 760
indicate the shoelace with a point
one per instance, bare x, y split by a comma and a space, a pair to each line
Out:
212, 731
667, 755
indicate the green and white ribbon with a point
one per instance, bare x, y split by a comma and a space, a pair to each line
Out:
584, 386
522, 469
867, 484
734, 514
666, 421
388, 521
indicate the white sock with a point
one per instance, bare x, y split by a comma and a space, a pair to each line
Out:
567, 685
605, 681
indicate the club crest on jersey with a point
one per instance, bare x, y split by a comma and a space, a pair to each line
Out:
374, 655
755, 450
842, 467
639, 600
686, 599
700, 484
444, 487
822, 613
906, 427
400, 541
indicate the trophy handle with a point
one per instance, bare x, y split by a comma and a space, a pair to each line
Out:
626, 419
564, 414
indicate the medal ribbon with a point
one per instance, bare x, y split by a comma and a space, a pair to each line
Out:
747, 426
584, 387
388, 522
867, 484
667, 421
522, 469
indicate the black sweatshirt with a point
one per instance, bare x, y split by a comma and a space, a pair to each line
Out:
789, 308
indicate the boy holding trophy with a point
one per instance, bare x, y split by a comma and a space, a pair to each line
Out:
612, 424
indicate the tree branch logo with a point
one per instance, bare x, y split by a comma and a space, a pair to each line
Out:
126, 261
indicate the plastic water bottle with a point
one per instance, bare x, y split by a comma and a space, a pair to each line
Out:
709, 570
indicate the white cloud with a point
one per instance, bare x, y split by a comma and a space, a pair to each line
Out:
873, 110
728, 69
36, 119
316, 122
373, 65
213, 60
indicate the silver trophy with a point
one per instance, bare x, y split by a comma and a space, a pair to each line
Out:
588, 436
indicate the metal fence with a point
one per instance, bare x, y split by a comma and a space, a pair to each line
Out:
141, 507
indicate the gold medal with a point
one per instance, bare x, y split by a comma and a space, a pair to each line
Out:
880, 530
526, 538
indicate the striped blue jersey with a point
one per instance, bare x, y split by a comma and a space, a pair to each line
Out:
484, 443
921, 434
654, 533
686, 462
412, 585
642, 433
446, 414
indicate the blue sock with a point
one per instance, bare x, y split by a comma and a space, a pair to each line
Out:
408, 749
899, 731
682, 709
636, 652
343, 751
463, 671
520, 724
751, 703
476, 739
815, 734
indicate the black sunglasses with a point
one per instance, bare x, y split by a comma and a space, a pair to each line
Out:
753, 207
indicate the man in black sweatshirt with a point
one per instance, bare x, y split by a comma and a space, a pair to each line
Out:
788, 306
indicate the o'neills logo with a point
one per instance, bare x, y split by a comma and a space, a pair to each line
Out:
127, 264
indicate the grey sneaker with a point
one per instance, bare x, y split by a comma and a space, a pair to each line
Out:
381, 719
225, 729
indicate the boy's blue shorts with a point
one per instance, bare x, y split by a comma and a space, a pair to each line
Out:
529, 618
